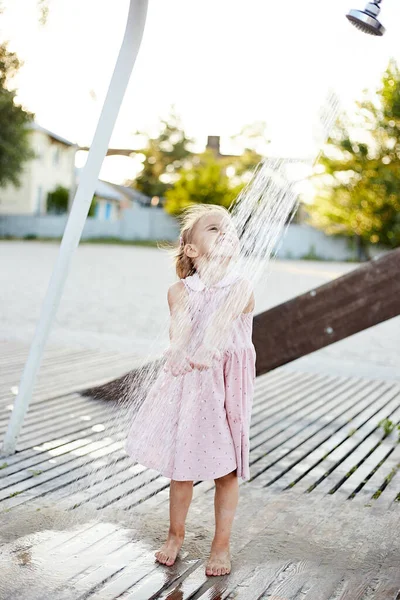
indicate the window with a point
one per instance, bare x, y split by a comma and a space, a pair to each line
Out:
39, 151
56, 155
39, 194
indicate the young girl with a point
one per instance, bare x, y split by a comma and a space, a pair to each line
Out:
194, 423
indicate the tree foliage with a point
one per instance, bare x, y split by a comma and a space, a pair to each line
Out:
205, 182
358, 176
172, 170
164, 156
57, 201
15, 147
253, 141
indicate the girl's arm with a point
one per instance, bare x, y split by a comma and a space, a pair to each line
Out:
180, 330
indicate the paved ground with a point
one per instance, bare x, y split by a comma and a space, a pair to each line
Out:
115, 299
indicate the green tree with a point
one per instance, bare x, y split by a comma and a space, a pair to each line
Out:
15, 147
164, 156
205, 182
358, 176
42, 6
253, 142
57, 200
92, 209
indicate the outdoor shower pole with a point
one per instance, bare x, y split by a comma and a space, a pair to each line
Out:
79, 211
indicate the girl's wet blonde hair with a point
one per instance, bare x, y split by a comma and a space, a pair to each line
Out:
184, 265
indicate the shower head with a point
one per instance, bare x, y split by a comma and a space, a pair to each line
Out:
366, 20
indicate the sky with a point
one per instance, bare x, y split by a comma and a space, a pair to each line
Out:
222, 63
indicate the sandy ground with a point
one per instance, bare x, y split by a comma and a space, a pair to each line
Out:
115, 299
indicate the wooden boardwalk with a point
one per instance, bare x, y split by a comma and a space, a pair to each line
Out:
319, 520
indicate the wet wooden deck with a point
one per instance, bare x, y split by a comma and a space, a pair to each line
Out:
319, 520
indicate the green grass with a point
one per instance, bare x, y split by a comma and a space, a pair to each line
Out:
388, 426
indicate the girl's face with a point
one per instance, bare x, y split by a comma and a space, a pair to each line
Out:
214, 236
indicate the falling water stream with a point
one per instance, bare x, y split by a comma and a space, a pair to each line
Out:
260, 214
106, 481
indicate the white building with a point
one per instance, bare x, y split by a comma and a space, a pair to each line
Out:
111, 199
54, 165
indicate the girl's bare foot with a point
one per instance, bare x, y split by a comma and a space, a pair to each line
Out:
168, 552
219, 562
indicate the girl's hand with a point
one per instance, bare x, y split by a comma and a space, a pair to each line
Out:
204, 357
176, 361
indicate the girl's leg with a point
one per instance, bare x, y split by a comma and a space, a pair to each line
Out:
225, 503
180, 497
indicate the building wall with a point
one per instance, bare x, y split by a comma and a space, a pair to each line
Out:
15, 200
53, 166
107, 210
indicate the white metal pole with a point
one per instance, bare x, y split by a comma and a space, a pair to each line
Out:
80, 208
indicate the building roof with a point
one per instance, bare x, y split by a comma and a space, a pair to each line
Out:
54, 136
106, 190
132, 194
115, 192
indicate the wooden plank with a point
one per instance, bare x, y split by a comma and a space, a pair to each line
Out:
36, 408
50, 469
342, 457
302, 435
265, 547
359, 299
268, 394
73, 557
143, 577
286, 398
388, 579
38, 455
75, 468
288, 448
48, 436
290, 582
63, 375
298, 523
101, 494
68, 409
361, 464
323, 586
298, 408
321, 450
387, 475
356, 586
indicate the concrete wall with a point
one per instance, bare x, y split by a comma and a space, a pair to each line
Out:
303, 241
138, 223
144, 223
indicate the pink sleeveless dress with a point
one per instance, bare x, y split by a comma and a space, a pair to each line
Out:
195, 427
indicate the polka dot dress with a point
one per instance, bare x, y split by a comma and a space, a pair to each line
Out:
199, 430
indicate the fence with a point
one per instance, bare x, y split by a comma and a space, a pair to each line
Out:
146, 223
